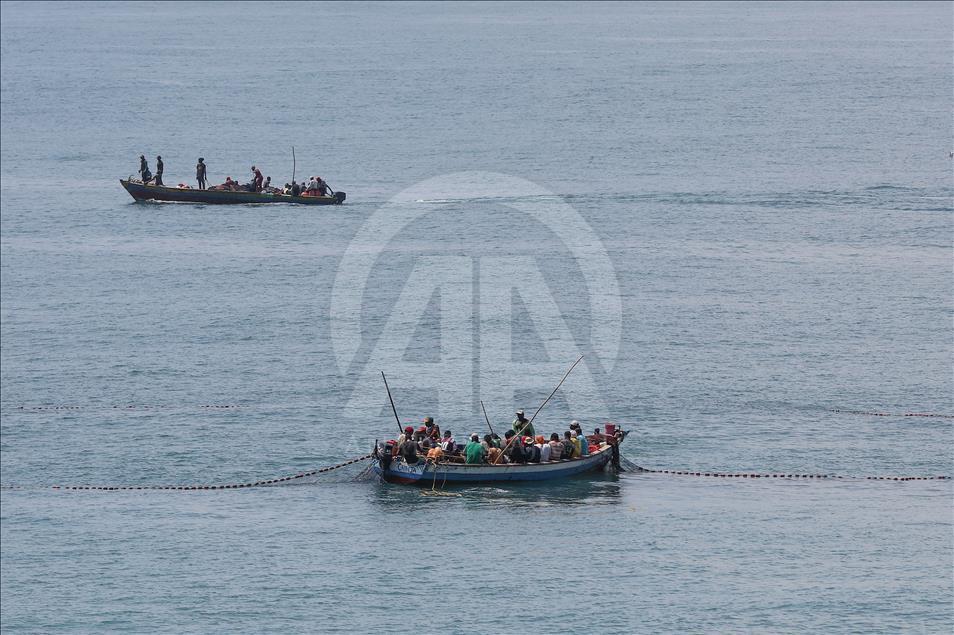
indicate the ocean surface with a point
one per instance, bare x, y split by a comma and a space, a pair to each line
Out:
740, 214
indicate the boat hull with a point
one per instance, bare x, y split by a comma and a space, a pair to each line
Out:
142, 192
427, 474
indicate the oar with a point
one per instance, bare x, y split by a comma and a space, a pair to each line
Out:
487, 418
524, 427
393, 409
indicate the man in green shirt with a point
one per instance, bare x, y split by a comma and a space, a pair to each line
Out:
522, 425
475, 451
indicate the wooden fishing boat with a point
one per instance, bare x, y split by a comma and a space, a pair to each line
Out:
142, 192
428, 473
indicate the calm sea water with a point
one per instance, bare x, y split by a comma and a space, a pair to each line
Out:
770, 184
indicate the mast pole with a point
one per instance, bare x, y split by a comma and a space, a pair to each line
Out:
393, 409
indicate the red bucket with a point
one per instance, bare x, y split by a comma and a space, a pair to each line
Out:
610, 429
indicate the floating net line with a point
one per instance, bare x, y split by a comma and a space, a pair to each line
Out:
294, 479
632, 467
129, 407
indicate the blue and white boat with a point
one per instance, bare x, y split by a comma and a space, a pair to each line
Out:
429, 473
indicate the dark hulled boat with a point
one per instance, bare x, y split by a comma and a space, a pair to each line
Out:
142, 192
430, 473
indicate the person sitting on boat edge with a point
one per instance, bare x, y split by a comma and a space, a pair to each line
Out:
405, 435
556, 447
420, 434
532, 451
448, 444
267, 188
522, 426
409, 451
312, 188
515, 451
493, 451
571, 449
541, 443
581, 443
577, 431
474, 451
432, 430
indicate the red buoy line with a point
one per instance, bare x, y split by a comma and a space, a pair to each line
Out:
263, 483
793, 476
892, 414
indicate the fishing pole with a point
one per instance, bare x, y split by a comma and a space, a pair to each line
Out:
393, 409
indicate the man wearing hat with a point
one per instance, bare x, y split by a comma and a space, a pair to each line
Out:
577, 432
433, 430
522, 426
405, 436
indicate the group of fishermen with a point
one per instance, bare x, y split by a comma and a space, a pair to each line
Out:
520, 444
315, 186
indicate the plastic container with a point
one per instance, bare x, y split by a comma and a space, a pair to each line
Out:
610, 429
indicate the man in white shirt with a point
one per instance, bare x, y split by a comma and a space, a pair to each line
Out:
544, 452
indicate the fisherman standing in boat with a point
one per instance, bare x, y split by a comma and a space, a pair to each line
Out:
159, 168
200, 173
144, 172
522, 426
258, 180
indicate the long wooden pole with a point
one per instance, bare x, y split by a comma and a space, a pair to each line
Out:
294, 164
393, 409
524, 427
487, 418
554, 391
